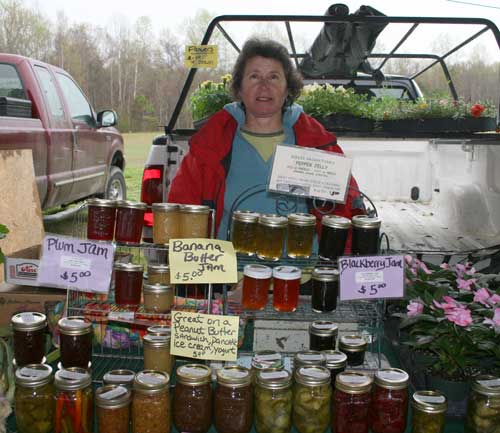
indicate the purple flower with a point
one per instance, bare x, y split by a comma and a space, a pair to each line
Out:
496, 319
415, 308
482, 296
459, 315
465, 284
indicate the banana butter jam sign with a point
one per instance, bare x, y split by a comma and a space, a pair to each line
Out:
201, 56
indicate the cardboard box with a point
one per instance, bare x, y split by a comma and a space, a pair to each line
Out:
22, 266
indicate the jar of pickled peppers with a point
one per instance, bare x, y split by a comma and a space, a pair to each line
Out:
483, 407
429, 412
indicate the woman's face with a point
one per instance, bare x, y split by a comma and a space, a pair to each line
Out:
264, 87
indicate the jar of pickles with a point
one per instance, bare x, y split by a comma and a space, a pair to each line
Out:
334, 233
354, 346
101, 219
151, 403
157, 353
483, 407
429, 412
194, 221
129, 221
112, 404
266, 359
273, 401
365, 234
119, 377
158, 274
336, 362
271, 232
233, 402
128, 284
325, 289
286, 288
308, 358
29, 337
166, 222
34, 399
351, 403
74, 401
75, 341
323, 335
256, 283
158, 298
300, 235
311, 399
245, 232
193, 399
389, 407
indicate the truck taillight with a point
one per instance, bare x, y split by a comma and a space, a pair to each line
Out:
152, 189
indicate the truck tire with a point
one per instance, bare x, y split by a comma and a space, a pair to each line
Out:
116, 188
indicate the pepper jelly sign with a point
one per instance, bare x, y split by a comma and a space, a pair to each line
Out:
201, 56
194, 261
78, 264
310, 173
371, 277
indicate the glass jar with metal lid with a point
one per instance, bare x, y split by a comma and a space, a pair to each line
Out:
34, 398
158, 274
336, 362
365, 234
194, 221
311, 399
351, 402
244, 234
389, 408
325, 289
271, 232
75, 341
112, 404
129, 221
101, 219
429, 412
193, 398
120, 377
256, 284
233, 400
159, 330
29, 337
483, 406
166, 222
354, 346
286, 281
158, 298
323, 335
308, 358
334, 233
300, 235
157, 353
266, 359
151, 402
273, 401
128, 284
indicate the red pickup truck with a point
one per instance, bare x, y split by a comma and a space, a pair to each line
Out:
76, 152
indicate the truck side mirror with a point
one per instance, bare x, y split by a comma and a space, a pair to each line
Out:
106, 118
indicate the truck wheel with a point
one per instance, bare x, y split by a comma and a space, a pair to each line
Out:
116, 189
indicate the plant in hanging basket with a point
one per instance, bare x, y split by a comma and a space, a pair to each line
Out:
209, 98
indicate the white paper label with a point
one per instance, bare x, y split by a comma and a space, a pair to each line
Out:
72, 375
74, 323
31, 372
28, 317
152, 379
270, 357
198, 372
305, 357
114, 393
347, 378
234, 374
432, 398
314, 372
354, 340
338, 357
73, 262
323, 325
369, 277
392, 375
489, 383
274, 375
120, 377
121, 315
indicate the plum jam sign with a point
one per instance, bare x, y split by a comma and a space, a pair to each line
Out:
371, 277
77, 264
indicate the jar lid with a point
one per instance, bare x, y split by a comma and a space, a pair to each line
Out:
151, 382
366, 222
273, 220
324, 273
287, 273
157, 340
128, 267
194, 208
131, 204
159, 330
274, 378
112, 396
166, 207
157, 288
28, 321
194, 374
313, 375
336, 222
487, 385
308, 357
429, 401
33, 375
74, 325
265, 359
101, 202
260, 272
119, 377
323, 328
391, 378
234, 376
159, 269
72, 379
301, 219
245, 216
353, 382
335, 358
352, 343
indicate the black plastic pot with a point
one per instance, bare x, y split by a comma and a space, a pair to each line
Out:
347, 122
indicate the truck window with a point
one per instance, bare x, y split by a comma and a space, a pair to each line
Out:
50, 91
10, 83
77, 102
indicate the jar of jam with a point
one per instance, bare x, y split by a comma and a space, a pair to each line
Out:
159, 274
29, 337
429, 412
389, 407
158, 298
151, 403
286, 288
323, 335
354, 346
273, 401
300, 235
483, 406
194, 221
271, 232
166, 222
325, 289
119, 377
233, 402
34, 399
245, 232
266, 359
256, 283
336, 362
74, 401
334, 233
112, 404
129, 221
351, 403
75, 341
157, 353
365, 234
101, 219
193, 399
311, 399
128, 284
306, 358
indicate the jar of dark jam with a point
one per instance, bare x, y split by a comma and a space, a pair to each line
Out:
75, 341
101, 219
323, 335
129, 221
325, 289
112, 404
244, 234
351, 403
256, 283
128, 284
29, 337
300, 235
389, 408
120, 377
336, 362
271, 232
354, 346
306, 358
193, 399
483, 406
233, 400
429, 412
365, 234
334, 232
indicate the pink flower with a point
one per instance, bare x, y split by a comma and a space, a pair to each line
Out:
444, 266
460, 316
414, 308
408, 259
424, 268
496, 319
494, 299
460, 269
449, 303
465, 284
482, 296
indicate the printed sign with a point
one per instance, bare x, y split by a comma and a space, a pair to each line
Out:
202, 261
77, 264
204, 336
371, 277
201, 56
310, 173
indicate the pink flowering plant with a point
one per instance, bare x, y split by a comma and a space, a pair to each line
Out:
453, 312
